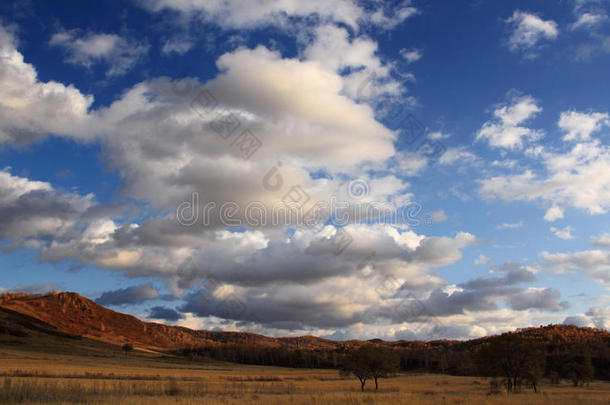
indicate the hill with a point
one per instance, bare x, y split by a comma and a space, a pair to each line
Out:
74, 315
70, 318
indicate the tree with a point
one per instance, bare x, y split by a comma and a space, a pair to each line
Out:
368, 362
355, 363
515, 359
534, 372
127, 347
383, 363
443, 362
579, 368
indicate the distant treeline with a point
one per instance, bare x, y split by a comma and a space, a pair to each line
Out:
554, 351
248, 354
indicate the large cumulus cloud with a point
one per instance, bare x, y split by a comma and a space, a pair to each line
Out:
31, 109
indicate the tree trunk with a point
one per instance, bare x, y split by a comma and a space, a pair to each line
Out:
362, 382
376, 385
535, 388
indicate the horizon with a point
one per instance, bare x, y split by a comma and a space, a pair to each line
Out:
404, 170
21, 295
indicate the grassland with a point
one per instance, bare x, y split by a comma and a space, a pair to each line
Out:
111, 377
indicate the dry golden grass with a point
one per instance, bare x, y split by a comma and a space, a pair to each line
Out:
44, 378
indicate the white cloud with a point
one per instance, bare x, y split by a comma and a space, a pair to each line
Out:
438, 216
470, 325
334, 50
563, 233
118, 53
155, 134
295, 108
505, 163
332, 290
580, 126
482, 259
578, 320
539, 298
602, 240
31, 109
251, 14
32, 212
437, 136
453, 155
576, 178
177, 45
554, 213
256, 13
408, 163
506, 131
588, 20
589, 14
529, 30
508, 225
595, 263
600, 316
394, 16
412, 55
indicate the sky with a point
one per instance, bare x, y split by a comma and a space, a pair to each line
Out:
347, 169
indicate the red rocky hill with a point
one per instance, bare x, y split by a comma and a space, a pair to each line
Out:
73, 314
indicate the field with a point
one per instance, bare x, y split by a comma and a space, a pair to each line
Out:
111, 376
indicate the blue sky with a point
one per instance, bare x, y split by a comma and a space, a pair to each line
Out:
146, 146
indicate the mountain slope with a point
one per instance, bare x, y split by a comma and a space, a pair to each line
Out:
75, 315
70, 315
